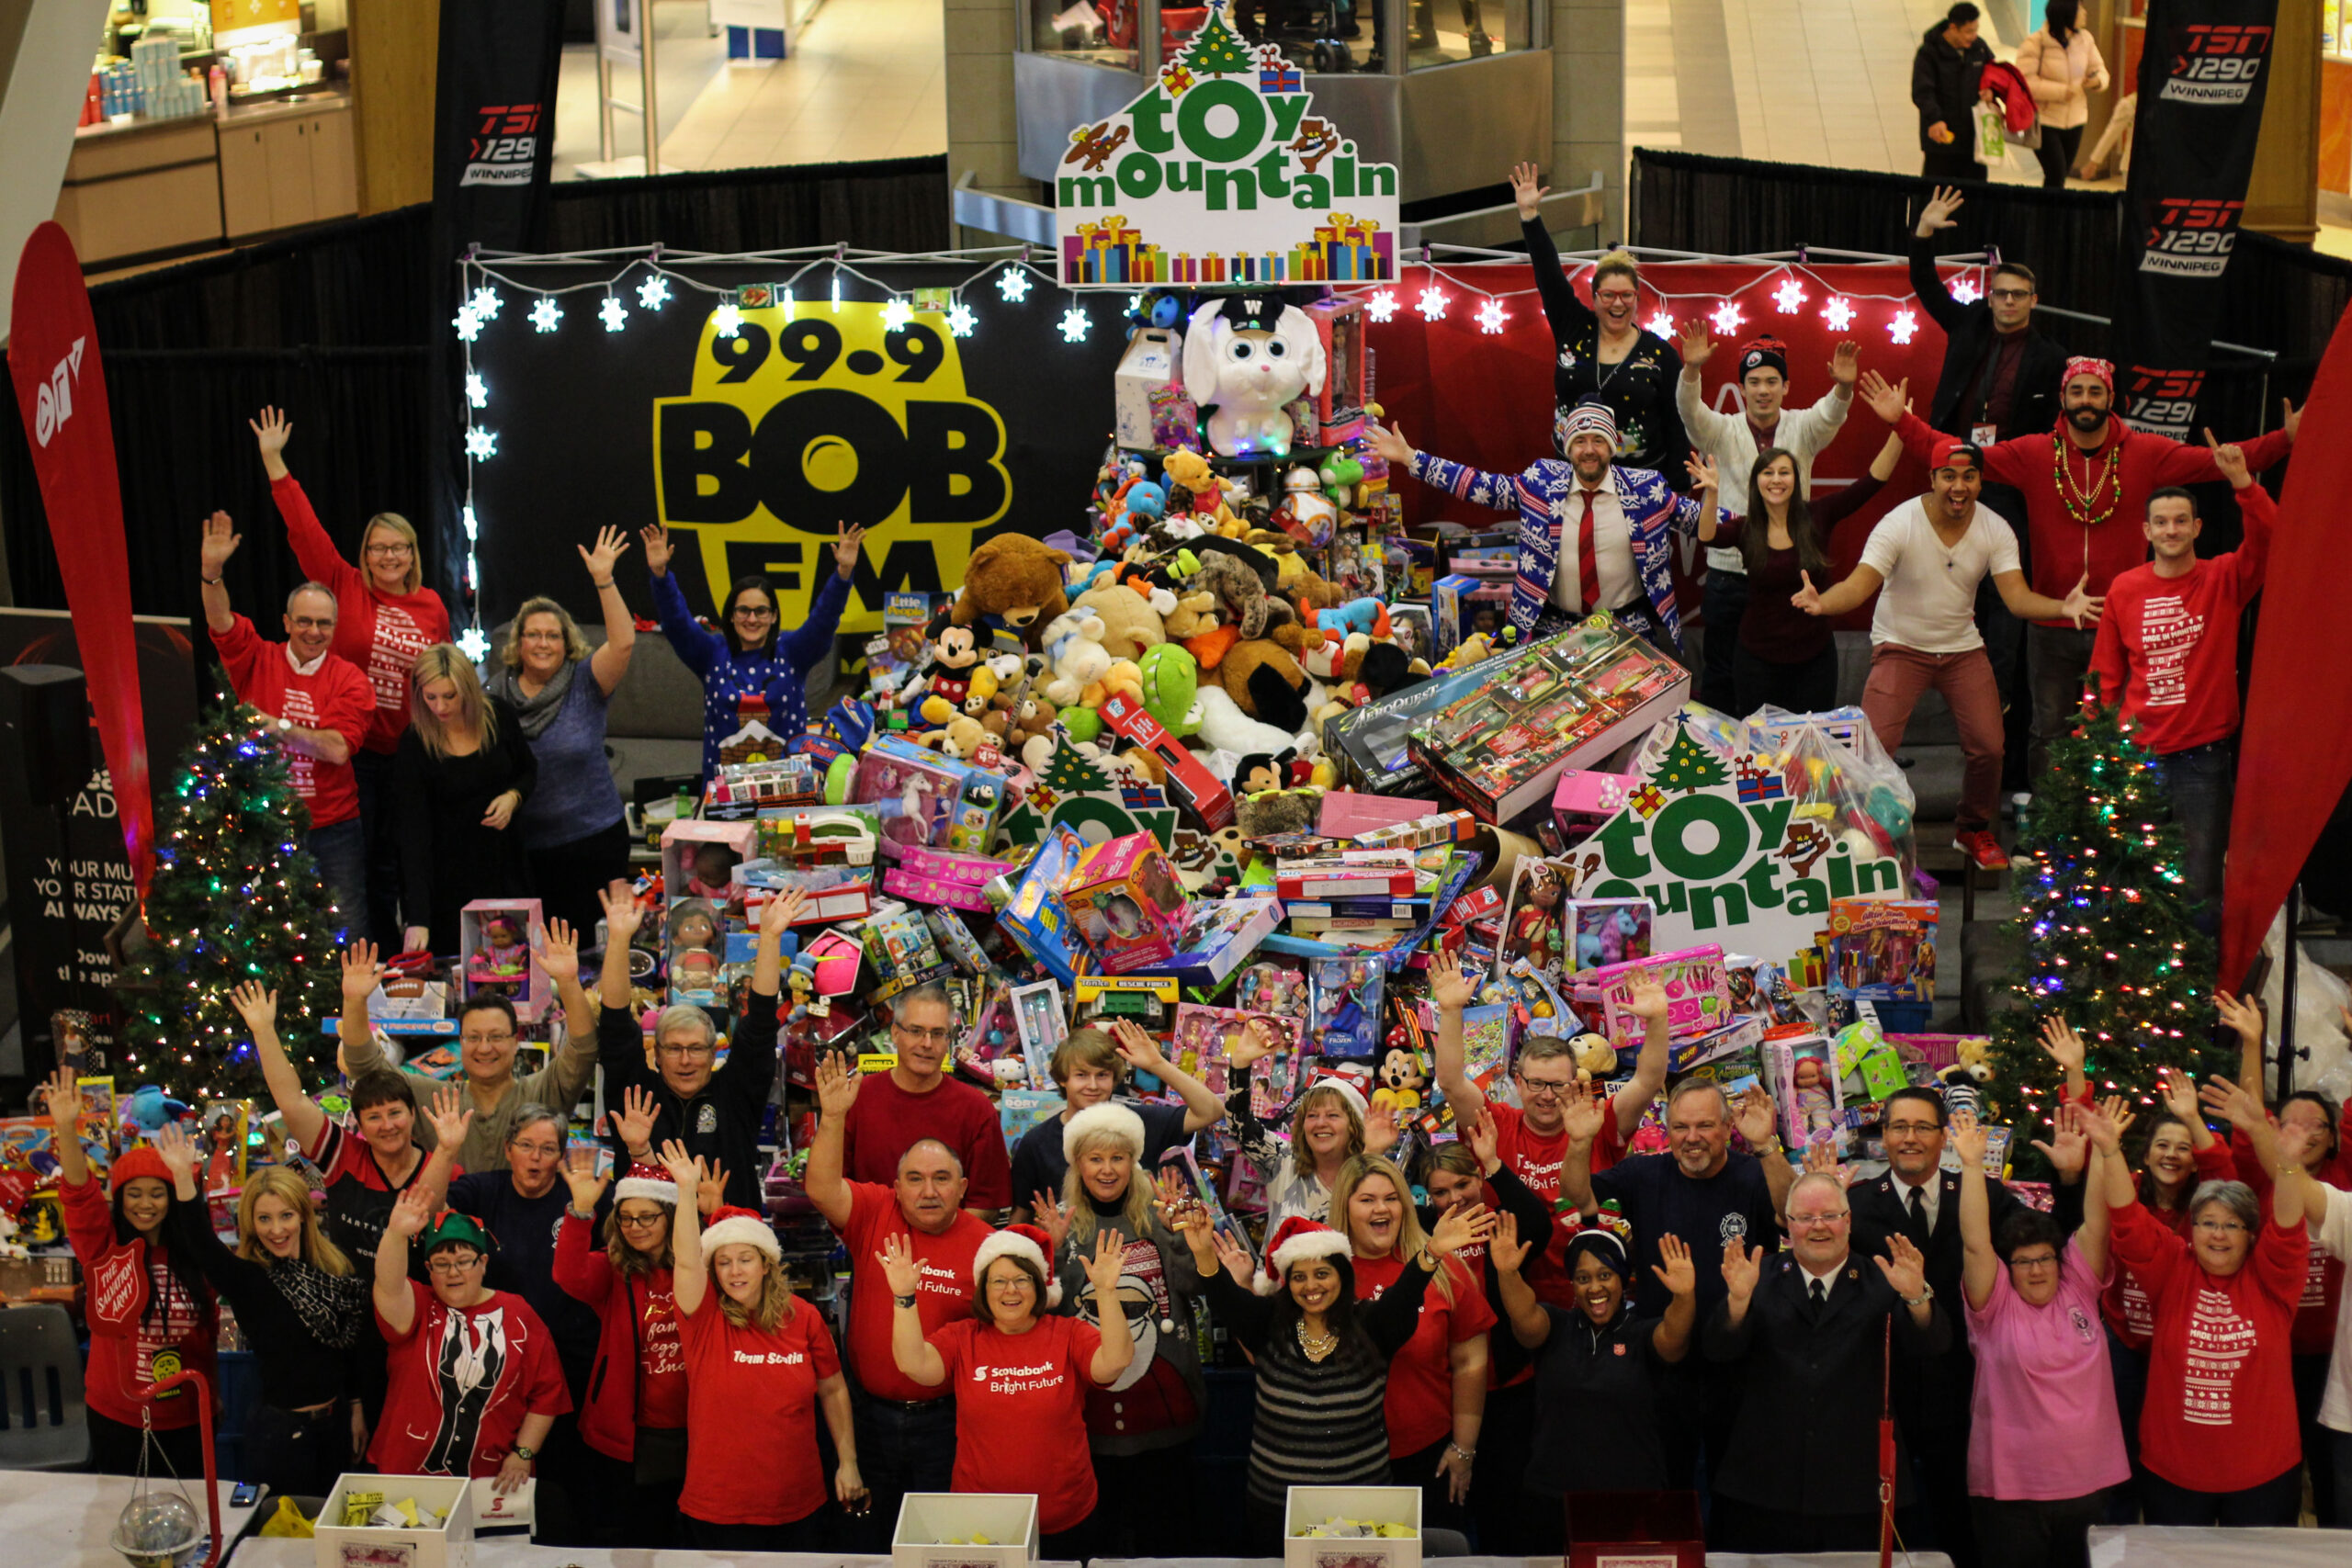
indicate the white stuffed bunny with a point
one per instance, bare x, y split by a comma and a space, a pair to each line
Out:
1074, 651
1250, 370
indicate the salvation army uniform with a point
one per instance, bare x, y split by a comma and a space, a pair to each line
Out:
752, 1456
144, 1323
461, 1380
1021, 1413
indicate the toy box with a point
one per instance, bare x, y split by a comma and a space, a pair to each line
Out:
1566, 702
497, 936
1344, 1008
1884, 949
1464, 602
443, 1536
698, 859
943, 877
1205, 1037
740, 789
940, 1530
1805, 1078
1373, 875
1034, 915
926, 799
1190, 783
1635, 1529
1865, 1058
900, 946
1587, 798
1219, 935
1338, 322
1175, 419
1148, 1002
1038, 1020
1149, 363
1314, 1508
1368, 744
1128, 903
1602, 931
1697, 997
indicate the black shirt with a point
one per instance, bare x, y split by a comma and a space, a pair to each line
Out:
523, 1261
1638, 388
1657, 1200
1039, 1165
448, 857
1595, 1414
298, 1369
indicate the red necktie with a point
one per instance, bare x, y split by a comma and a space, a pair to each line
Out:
1587, 563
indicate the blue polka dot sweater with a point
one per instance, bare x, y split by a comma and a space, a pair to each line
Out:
778, 673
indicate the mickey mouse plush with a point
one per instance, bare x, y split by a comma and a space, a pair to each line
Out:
955, 654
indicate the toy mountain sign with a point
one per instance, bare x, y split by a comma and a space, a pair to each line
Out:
1221, 171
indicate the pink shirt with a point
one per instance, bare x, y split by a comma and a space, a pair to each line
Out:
2044, 1422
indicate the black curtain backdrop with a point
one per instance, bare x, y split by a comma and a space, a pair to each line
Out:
335, 324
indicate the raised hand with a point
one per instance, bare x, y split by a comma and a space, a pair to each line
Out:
270, 431
1380, 1130
897, 1260
1680, 1272
1103, 1269
846, 547
2241, 1107
449, 1115
557, 954
777, 915
1880, 398
1703, 472
610, 545
622, 916
2082, 604
711, 1189
1390, 443
1235, 1259
1937, 213
1968, 1139
1450, 988
1807, 598
257, 1004
1478, 1131
1582, 1112
586, 1184
657, 548
2068, 1151
2061, 1044
2105, 1125
1821, 1159
63, 1093
412, 1211
1844, 365
2291, 418
1136, 1047
1754, 1117
1256, 1040
1907, 1269
179, 1151
633, 1123
1697, 345
1458, 1228
1052, 1216
1742, 1269
361, 973
1645, 1000
1525, 191
220, 542
1508, 1253
2298, 1143
837, 1085
2241, 1014
2230, 459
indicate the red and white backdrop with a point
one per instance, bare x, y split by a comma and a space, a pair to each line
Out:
1473, 382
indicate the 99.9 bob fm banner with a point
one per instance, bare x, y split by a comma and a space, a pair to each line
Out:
751, 407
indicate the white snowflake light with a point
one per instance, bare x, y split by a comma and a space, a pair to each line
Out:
1903, 327
1661, 323
654, 292
466, 516
1431, 304
477, 390
1014, 284
1838, 314
1380, 305
469, 324
473, 645
481, 444
546, 314
837, 293
1492, 316
616, 315
1726, 317
960, 319
1788, 298
486, 303
897, 313
727, 321
1074, 324
1965, 289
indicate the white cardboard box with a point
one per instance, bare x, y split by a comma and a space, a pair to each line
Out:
928, 1522
1149, 362
446, 1543
1376, 1504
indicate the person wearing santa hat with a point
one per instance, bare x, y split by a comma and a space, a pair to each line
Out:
1330, 1124
1322, 1357
760, 1364
1733, 440
1090, 1067
906, 1429
1140, 1428
1020, 1374
633, 1417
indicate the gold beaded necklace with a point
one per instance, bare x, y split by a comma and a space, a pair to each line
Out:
2078, 501
1317, 1346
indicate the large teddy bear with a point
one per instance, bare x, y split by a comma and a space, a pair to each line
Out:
1130, 624
1016, 579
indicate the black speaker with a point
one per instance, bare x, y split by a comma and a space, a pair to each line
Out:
45, 722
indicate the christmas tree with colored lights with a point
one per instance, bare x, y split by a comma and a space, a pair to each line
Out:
235, 897
2110, 946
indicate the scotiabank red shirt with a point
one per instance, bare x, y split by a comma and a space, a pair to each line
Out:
1419, 1407
1536, 1160
944, 1262
2169, 645
1021, 1413
752, 1416
332, 695
461, 1380
2221, 1410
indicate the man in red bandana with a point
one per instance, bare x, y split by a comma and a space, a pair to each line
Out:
2087, 485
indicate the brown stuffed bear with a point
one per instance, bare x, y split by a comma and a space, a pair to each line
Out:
1265, 682
1018, 581
1243, 602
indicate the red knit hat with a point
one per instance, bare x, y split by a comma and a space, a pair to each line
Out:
1297, 1239
135, 1162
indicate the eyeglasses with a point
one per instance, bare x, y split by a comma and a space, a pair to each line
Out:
2013, 294
2220, 1227
390, 549
683, 1050
500, 1037
547, 1151
452, 1267
310, 623
1616, 296
2042, 1260
930, 1036
639, 1221
752, 613
1544, 1089
1914, 1129
1829, 1219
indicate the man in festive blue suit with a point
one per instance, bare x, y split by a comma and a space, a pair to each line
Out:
1616, 524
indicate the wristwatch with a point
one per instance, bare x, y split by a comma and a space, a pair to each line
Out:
1927, 1293
285, 727
523, 1453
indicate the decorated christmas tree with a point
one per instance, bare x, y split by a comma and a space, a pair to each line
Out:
1217, 49
2104, 909
1068, 771
235, 897
1688, 764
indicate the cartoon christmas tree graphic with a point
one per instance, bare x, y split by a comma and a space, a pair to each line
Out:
1688, 765
1069, 772
1217, 49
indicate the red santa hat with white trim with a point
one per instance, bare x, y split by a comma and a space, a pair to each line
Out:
1025, 1242
1295, 1240
732, 1227
650, 1182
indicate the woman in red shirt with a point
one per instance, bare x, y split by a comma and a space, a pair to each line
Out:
2218, 1433
633, 1414
385, 617
1437, 1382
150, 1311
759, 1364
1019, 1379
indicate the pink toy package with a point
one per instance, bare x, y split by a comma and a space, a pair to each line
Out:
926, 800
1128, 902
1697, 996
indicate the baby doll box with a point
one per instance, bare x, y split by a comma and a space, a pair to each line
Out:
1034, 915
430, 1543
1635, 1529
1312, 1507
512, 975
682, 841
964, 1529
1128, 902
1150, 363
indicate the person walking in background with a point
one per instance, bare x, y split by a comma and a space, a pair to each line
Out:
1947, 80
752, 656
2061, 65
574, 832
385, 616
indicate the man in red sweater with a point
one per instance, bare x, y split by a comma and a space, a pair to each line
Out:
2084, 482
2167, 651
917, 1100
321, 704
